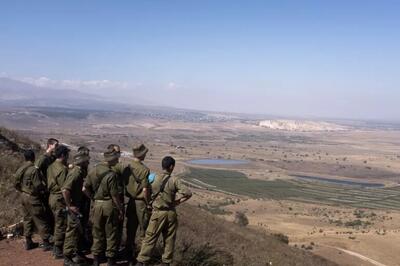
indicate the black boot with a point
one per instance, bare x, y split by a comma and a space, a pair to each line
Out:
111, 262
57, 253
45, 245
68, 261
96, 260
29, 244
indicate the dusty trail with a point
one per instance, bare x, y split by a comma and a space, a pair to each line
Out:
374, 262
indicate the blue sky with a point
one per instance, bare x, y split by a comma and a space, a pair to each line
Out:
291, 58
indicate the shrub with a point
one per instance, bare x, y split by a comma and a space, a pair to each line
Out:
241, 219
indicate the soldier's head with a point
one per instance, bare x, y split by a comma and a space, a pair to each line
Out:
51, 145
140, 151
62, 153
83, 150
115, 148
168, 164
29, 155
82, 160
111, 157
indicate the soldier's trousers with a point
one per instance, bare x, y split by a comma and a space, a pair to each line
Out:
57, 205
73, 235
137, 216
34, 216
105, 228
86, 239
163, 223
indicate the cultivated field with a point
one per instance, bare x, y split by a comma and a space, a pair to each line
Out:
302, 191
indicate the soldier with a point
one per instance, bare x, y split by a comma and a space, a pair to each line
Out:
123, 172
56, 175
137, 189
164, 218
73, 195
42, 163
101, 185
86, 238
29, 181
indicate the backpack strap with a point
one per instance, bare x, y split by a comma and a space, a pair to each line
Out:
134, 176
161, 190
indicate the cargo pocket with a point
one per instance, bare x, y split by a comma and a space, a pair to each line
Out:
152, 227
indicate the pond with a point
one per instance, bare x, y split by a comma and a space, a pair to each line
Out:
342, 182
217, 162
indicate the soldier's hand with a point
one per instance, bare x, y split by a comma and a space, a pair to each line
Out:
121, 215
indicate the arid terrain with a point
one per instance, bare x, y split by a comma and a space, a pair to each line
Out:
333, 193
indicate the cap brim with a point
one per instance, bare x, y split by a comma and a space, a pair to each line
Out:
140, 153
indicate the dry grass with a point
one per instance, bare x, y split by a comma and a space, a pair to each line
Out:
204, 239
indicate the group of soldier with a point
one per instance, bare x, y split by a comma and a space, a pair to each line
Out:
76, 210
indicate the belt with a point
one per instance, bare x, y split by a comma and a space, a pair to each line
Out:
165, 209
102, 200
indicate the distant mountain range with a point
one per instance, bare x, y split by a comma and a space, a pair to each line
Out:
18, 93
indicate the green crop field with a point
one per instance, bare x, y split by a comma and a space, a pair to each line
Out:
299, 190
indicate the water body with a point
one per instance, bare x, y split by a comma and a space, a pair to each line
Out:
217, 162
342, 182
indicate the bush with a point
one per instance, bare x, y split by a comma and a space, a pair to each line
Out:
241, 219
281, 237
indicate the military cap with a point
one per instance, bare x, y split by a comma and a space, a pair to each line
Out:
81, 158
110, 155
140, 150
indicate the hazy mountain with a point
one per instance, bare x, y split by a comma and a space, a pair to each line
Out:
13, 92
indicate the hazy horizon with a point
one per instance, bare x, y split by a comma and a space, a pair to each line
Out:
302, 59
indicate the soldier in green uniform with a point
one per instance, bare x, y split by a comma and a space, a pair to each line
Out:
29, 182
73, 195
84, 209
138, 190
164, 218
123, 172
43, 161
101, 185
56, 175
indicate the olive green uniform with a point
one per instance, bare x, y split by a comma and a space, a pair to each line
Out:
164, 218
29, 181
56, 175
136, 213
103, 182
42, 163
74, 183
